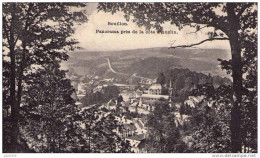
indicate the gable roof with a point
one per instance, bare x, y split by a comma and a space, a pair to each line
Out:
138, 137
129, 126
156, 86
140, 124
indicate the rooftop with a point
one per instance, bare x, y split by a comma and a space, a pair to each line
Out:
137, 137
139, 124
129, 126
154, 96
156, 86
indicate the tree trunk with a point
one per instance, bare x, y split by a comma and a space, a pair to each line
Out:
20, 78
237, 78
22, 65
14, 107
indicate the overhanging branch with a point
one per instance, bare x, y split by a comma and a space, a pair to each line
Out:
195, 44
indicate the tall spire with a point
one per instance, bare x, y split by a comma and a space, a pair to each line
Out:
170, 92
171, 88
171, 82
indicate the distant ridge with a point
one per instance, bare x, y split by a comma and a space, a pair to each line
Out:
195, 59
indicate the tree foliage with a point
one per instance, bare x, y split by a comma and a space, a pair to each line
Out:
163, 135
211, 120
34, 34
99, 133
49, 117
161, 79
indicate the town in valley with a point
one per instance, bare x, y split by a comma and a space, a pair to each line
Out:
132, 98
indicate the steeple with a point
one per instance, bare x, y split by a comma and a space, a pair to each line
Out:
170, 93
171, 82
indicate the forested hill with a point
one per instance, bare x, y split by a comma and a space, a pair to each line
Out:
186, 80
150, 67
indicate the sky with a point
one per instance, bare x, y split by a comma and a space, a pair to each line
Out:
92, 41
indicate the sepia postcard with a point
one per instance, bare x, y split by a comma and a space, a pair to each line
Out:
129, 77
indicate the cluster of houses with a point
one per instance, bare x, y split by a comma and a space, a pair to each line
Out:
85, 84
140, 102
132, 130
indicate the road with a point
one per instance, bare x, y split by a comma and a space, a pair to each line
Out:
134, 75
110, 67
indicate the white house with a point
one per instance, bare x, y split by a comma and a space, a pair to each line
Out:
155, 89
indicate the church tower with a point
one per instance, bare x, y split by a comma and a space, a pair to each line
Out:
170, 93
